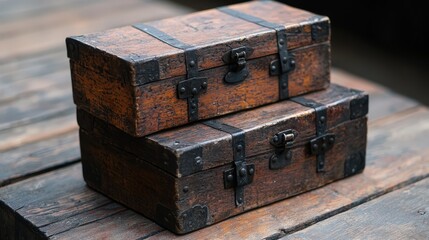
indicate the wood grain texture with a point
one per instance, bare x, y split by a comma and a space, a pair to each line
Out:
402, 214
259, 125
59, 202
211, 31
385, 172
54, 23
142, 110
383, 102
131, 181
38, 157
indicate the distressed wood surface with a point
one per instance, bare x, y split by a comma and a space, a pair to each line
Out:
257, 124
403, 214
38, 130
130, 79
53, 23
390, 165
42, 144
141, 110
38, 157
104, 157
209, 30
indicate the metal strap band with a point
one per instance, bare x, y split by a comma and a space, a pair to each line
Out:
191, 61
242, 172
250, 18
321, 119
281, 44
162, 36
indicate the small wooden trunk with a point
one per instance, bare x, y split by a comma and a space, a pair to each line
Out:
199, 174
149, 77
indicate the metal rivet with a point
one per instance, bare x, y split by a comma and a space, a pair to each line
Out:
292, 63
289, 155
275, 138
229, 178
194, 91
273, 68
284, 60
315, 146
321, 163
192, 63
322, 119
239, 148
284, 85
185, 189
198, 160
281, 41
243, 172
324, 146
185, 215
204, 85
251, 171
275, 159
353, 170
193, 105
182, 89
331, 140
240, 200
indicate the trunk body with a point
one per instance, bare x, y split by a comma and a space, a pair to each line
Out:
197, 175
154, 76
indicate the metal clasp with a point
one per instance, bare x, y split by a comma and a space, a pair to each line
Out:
238, 70
282, 142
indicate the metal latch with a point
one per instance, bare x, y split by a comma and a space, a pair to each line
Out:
282, 142
238, 70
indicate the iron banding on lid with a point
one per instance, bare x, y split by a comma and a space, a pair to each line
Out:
286, 61
241, 174
323, 141
191, 87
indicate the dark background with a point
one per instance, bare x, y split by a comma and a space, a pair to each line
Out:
383, 41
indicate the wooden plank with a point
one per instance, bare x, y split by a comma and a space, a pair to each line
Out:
102, 16
60, 203
11, 10
391, 165
36, 86
62, 123
35, 158
402, 214
36, 107
33, 67
382, 101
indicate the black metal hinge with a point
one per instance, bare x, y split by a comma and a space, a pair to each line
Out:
241, 174
323, 141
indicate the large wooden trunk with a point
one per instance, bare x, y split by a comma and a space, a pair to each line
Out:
196, 175
153, 76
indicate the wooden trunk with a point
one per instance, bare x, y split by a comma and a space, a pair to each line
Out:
154, 76
197, 175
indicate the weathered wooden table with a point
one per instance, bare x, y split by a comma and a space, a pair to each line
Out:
43, 195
